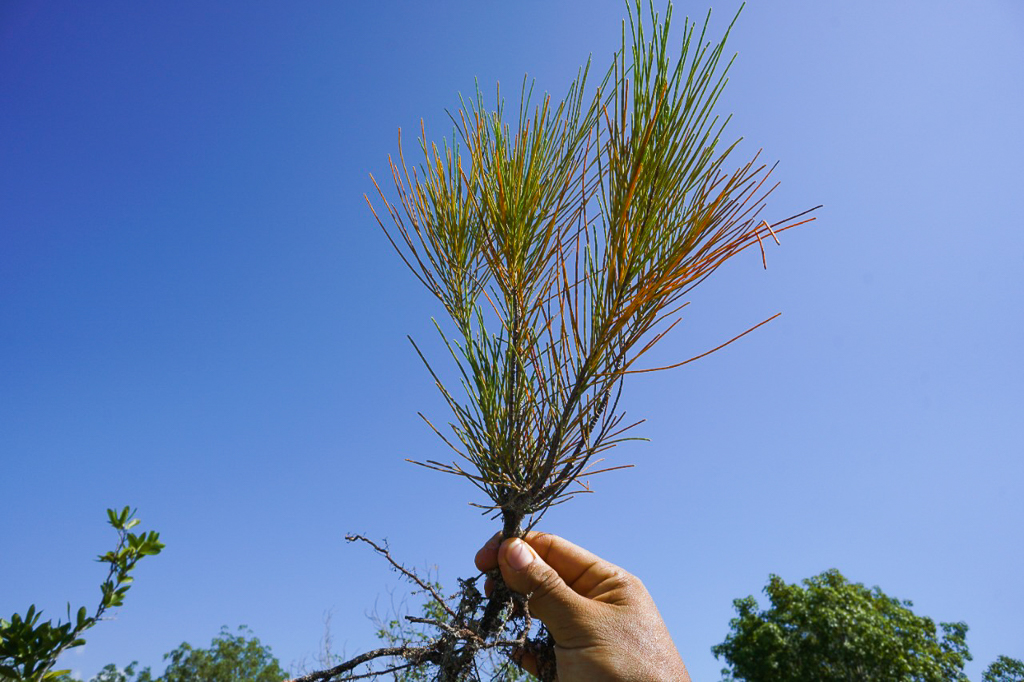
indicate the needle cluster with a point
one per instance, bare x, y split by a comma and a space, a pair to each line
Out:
560, 241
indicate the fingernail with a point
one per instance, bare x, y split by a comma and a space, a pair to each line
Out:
519, 555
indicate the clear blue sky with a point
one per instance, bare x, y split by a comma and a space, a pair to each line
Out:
199, 317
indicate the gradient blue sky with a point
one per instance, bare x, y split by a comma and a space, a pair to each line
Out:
200, 318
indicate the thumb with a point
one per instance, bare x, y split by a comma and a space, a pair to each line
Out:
550, 598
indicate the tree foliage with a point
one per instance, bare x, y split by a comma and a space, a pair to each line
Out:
29, 647
237, 657
829, 629
1004, 669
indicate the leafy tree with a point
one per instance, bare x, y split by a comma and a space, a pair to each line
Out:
111, 673
230, 658
1004, 669
829, 630
29, 648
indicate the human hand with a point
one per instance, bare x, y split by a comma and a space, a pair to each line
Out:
603, 620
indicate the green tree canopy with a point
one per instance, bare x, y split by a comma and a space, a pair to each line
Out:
231, 658
829, 629
1004, 669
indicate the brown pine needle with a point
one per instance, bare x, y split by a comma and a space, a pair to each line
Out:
706, 353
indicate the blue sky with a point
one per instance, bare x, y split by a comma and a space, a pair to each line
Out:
199, 317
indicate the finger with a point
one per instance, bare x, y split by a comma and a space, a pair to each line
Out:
586, 573
487, 556
550, 598
526, 660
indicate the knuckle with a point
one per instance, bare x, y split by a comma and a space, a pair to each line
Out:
547, 585
626, 582
618, 577
633, 583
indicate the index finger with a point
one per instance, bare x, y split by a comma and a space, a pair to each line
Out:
586, 573
487, 556
581, 570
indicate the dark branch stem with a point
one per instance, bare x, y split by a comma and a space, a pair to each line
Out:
404, 571
414, 655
